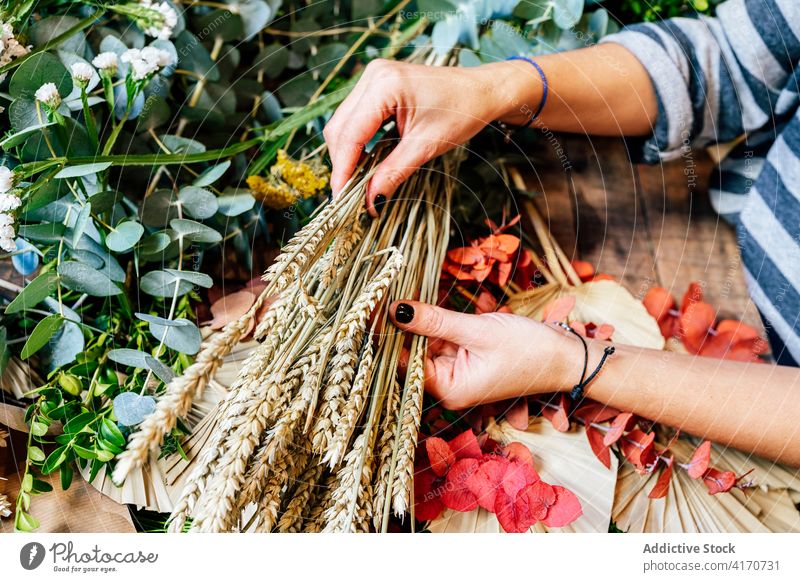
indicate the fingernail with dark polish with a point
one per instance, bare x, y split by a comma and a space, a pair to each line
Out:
404, 313
380, 200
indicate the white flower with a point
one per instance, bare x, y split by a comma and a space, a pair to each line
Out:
10, 48
6, 179
106, 62
82, 72
6, 219
9, 202
131, 55
48, 94
141, 69
160, 20
156, 55
7, 231
7, 235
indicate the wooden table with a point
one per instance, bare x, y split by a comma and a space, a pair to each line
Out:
644, 225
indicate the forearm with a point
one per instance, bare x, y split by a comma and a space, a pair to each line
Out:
601, 90
752, 407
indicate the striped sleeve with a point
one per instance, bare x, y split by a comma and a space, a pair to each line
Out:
716, 78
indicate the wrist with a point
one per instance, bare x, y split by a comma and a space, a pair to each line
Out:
517, 91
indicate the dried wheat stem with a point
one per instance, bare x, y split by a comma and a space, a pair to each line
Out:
384, 450
409, 426
292, 519
322, 501
353, 480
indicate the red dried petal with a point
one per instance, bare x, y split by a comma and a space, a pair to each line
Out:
541, 497
694, 324
502, 274
428, 489
584, 269
440, 455
600, 450
513, 514
700, 460
637, 447
487, 480
458, 272
457, 495
485, 303
659, 302
518, 452
566, 509
661, 488
230, 307
465, 255
518, 475
466, 446
719, 481
517, 415
619, 426
595, 412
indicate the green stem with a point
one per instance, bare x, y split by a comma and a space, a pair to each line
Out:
91, 126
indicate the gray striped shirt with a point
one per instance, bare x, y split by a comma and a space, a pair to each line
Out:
716, 80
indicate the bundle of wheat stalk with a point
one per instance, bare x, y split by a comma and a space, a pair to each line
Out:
319, 429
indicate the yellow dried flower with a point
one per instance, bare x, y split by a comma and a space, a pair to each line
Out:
272, 192
309, 179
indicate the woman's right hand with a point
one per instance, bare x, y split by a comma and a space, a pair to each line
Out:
435, 108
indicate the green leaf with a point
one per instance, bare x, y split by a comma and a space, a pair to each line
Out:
104, 456
184, 338
182, 145
236, 204
194, 231
128, 357
84, 453
155, 243
104, 201
162, 284
66, 476
272, 59
21, 137
36, 71
82, 170
35, 454
198, 202
111, 433
45, 232
567, 13
41, 334
24, 521
159, 208
84, 279
42, 286
77, 423
5, 353
27, 483
47, 29
38, 429
212, 174
164, 372
194, 277
84, 216
56, 458
40, 486
124, 236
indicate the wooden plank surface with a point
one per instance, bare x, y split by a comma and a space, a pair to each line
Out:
644, 225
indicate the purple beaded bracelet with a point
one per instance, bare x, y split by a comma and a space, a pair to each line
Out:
544, 86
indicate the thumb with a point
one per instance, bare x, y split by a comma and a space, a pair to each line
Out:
434, 322
405, 159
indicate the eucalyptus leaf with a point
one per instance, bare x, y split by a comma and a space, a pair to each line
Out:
164, 372
154, 244
272, 59
194, 277
37, 70
255, 14
42, 286
567, 13
124, 236
159, 208
21, 136
194, 231
183, 338
131, 408
162, 284
182, 145
128, 357
64, 347
104, 201
236, 204
41, 334
82, 221
159, 320
198, 202
84, 279
45, 232
212, 174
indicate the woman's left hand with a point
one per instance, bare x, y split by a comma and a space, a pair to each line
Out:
474, 359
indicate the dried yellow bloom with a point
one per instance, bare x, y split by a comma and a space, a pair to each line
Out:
272, 192
289, 180
309, 179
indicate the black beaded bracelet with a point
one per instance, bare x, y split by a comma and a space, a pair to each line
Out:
578, 389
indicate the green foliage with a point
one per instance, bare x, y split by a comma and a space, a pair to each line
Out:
650, 10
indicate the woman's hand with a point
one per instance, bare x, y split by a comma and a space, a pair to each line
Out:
474, 359
435, 108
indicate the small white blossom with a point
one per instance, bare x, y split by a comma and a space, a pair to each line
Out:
131, 55
82, 72
9, 202
106, 62
7, 235
48, 94
161, 21
6, 179
158, 56
141, 69
6, 219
